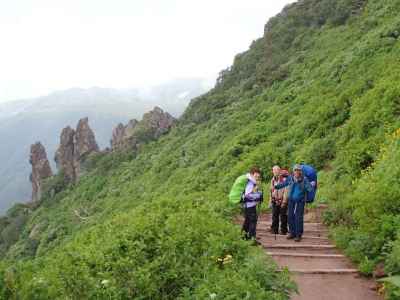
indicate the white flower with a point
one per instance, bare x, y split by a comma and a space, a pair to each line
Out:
105, 282
213, 296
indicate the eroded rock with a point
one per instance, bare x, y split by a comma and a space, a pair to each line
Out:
154, 124
75, 146
40, 169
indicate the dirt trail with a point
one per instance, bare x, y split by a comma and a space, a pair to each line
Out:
321, 271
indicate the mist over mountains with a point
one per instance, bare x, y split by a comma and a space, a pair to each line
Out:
24, 122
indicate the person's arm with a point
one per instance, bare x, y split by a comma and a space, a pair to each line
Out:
251, 194
284, 184
249, 188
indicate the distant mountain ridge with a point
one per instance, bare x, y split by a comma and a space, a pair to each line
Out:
23, 122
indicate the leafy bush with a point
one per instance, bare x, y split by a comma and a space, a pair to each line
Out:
172, 253
316, 88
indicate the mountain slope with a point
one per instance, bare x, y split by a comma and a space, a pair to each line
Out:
24, 122
316, 88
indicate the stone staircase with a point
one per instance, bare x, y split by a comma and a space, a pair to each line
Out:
320, 270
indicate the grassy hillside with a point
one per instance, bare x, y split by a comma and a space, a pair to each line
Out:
24, 122
320, 87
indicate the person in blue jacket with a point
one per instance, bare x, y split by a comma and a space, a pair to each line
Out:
298, 186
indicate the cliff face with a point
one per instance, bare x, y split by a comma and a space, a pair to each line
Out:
65, 154
84, 144
75, 146
154, 124
157, 122
121, 133
40, 169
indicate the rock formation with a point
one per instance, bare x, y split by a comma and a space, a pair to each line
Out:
84, 144
157, 122
75, 146
154, 124
121, 134
64, 156
40, 169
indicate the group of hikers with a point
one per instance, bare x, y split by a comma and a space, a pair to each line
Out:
288, 194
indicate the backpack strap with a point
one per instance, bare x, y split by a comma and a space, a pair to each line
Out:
303, 188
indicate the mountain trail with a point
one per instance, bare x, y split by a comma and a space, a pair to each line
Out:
320, 270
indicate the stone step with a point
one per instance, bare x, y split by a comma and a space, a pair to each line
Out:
294, 249
307, 255
307, 226
347, 286
269, 223
271, 241
316, 232
310, 251
282, 238
300, 246
311, 237
324, 271
313, 262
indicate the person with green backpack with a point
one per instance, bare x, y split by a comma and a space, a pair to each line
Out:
245, 190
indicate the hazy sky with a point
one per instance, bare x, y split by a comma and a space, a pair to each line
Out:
49, 45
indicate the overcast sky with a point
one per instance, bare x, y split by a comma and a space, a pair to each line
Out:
48, 45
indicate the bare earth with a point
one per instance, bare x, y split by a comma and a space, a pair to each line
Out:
320, 270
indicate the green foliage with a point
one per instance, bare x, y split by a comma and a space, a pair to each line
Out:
12, 225
373, 204
168, 254
393, 284
319, 87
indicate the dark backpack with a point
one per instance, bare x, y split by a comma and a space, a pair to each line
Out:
311, 174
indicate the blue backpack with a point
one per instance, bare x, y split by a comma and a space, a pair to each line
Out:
311, 174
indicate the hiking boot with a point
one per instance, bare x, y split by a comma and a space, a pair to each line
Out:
290, 236
297, 239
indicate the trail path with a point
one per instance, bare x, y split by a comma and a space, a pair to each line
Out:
320, 270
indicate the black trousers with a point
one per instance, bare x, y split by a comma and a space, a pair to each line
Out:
279, 213
250, 222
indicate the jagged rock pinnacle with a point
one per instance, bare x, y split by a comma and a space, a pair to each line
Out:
40, 169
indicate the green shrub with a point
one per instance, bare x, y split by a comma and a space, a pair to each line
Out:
169, 254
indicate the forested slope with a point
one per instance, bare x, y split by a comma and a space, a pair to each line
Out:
320, 86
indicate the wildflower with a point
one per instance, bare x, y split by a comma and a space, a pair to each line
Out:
105, 282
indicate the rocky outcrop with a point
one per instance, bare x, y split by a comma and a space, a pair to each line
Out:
121, 135
40, 169
75, 146
117, 136
84, 144
157, 122
64, 156
154, 124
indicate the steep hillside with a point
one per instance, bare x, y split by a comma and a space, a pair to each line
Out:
27, 121
320, 86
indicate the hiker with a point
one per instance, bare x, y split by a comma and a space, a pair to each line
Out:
251, 198
298, 187
278, 201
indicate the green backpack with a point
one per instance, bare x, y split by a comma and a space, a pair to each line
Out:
235, 196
